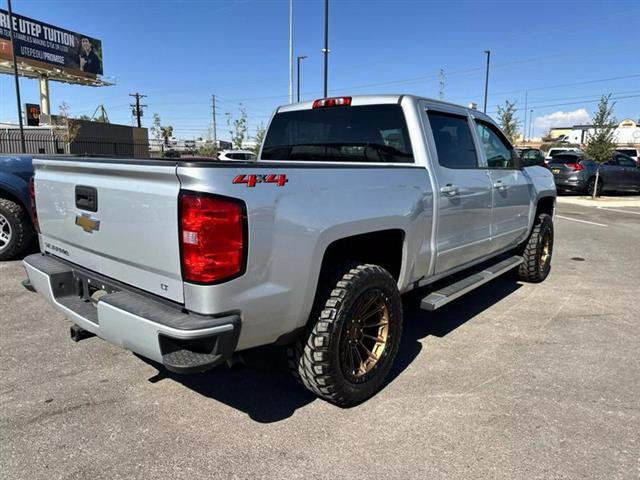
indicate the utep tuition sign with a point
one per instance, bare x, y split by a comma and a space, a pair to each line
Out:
39, 43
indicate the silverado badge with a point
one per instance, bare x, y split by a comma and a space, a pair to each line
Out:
88, 224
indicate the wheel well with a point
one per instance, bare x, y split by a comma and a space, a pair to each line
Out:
383, 248
9, 196
546, 205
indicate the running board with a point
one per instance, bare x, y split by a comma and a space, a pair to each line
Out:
441, 297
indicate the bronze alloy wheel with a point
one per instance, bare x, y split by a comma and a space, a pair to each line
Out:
545, 253
365, 336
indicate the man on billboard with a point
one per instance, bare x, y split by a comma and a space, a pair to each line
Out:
89, 61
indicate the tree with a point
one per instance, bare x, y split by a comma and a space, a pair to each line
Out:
208, 150
238, 128
156, 128
67, 127
601, 145
260, 133
167, 133
508, 120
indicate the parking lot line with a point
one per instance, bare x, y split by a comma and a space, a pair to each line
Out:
618, 210
581, 221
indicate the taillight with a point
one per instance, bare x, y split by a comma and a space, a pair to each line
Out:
32, 197
576, 167
213, 236
332, 102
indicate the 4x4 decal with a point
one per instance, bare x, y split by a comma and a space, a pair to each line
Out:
252, 180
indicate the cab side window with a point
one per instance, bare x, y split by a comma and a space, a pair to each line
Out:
497, 150
453, 139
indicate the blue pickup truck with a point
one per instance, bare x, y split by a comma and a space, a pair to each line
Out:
16, 216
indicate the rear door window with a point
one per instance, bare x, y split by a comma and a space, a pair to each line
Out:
625, 161
453, 139
496, 148
366, 133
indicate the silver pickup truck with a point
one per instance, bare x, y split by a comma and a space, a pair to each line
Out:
352, 202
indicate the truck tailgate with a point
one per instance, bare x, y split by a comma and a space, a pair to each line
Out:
129, 232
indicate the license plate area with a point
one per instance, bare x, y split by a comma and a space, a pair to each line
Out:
555, 171
80, 292
87, 286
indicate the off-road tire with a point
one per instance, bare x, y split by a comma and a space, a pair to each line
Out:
21, 229
316, 360
537, 252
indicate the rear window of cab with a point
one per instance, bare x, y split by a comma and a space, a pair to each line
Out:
366, 133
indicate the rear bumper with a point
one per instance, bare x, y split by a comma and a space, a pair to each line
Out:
160, 331
570, 184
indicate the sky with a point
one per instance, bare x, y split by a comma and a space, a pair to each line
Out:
560, 55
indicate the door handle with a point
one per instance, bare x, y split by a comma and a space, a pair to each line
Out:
499, 185
449, 190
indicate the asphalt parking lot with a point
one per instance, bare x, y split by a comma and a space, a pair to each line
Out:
512, 381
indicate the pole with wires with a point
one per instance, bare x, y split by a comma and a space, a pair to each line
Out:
213, 117
15, 74
524, 130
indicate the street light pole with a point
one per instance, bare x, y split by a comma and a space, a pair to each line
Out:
300, 57
530, 124
15, 74
486, 80
290, 51
326, 47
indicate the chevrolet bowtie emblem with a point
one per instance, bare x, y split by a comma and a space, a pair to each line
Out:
87, 223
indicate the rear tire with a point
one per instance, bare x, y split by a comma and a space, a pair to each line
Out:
350, 347
538, 251
16, 230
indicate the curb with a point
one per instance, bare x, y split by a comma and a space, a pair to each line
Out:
633, 201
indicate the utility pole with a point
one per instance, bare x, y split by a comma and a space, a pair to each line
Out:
137, 108
15, 75
486, 80
300, 57
290, 51
213, 117
524, 130
326, 47
441, 92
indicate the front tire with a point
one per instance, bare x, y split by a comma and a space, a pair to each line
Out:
349, 349
16, 230
538, 251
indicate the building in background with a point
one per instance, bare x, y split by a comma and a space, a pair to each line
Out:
78, 137
626, 133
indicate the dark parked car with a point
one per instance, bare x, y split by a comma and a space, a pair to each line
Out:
531, 157
16, 225
572, 172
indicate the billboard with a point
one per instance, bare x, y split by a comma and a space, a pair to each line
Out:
41, 44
